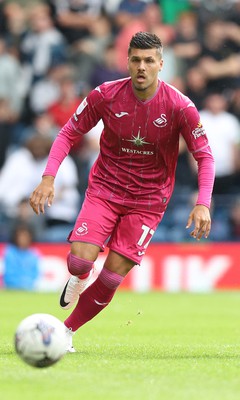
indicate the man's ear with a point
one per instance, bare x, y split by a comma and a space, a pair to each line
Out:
161, 65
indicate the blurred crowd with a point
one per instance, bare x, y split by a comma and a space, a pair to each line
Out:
53, 52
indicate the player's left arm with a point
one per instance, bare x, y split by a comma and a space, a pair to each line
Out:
200, 215
197, 142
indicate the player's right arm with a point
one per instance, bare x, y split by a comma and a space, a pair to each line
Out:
44, 192
82, 121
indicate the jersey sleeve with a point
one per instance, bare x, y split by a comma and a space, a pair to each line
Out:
195, 136
192, 129
87, 115
206, 175
89, 111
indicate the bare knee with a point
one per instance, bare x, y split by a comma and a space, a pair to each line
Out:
86, 251
118, 263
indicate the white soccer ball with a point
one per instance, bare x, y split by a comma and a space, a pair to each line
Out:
41, 340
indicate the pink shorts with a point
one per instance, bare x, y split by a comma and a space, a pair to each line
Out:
125, 230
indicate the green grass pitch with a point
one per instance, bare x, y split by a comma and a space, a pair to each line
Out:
152, 346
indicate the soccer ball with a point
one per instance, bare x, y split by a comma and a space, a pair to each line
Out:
41, 340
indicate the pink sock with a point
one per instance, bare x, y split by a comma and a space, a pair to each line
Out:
79, 266
94, 299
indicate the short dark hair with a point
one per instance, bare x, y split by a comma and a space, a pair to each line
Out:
145, 40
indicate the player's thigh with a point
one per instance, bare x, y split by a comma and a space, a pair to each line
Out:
134, 233
94, 225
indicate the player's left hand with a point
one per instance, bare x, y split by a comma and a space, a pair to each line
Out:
200, 216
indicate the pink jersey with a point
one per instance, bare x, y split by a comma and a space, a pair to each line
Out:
139, 144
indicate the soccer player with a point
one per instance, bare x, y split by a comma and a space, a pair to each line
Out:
132, 180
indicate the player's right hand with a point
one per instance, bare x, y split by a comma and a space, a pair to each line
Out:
43, 193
